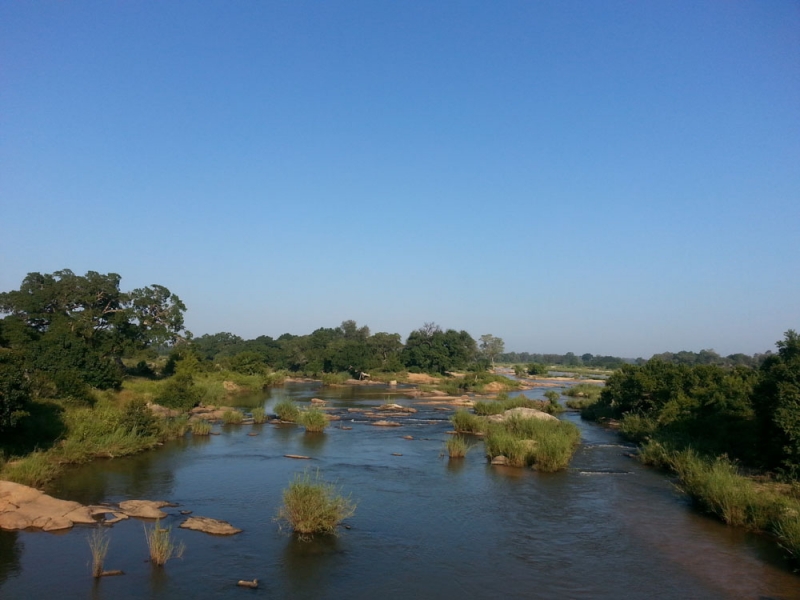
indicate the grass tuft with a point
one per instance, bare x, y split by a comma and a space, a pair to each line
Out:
201, 427
456, 447
259, 415
98, 543
313, 419
312, 506
161, 545
232, 417
287, 411
465, 422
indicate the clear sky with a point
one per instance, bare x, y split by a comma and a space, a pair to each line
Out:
616, 177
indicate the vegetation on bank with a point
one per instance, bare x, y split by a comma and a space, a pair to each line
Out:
709, 424
312, 506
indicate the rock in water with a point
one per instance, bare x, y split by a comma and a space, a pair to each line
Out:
208, 525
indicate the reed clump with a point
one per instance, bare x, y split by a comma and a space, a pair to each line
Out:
465, 422
312, 506
232, 417
259, 415
313, 419
544, 445
456, 447
98, 544
201, 427
286, 410
161, 544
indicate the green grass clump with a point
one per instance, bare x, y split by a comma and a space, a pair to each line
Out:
98, 544
465, 422
232, 417
161, 545
34, 470
312, 506
456, 447
545, 445
259, 415
201, 427
588, 391
313, 419
286, 410
335, 378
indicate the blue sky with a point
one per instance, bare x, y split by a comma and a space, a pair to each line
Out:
608, 177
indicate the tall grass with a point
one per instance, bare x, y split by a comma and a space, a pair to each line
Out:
287, 410
201, 427
312, 506
232, 417
456, 447
546, 445
465, 422
98, 544
161, 545
259, 415
313, 419
34, 470
335, 378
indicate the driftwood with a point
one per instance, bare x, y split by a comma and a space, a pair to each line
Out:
112, 573
248, 584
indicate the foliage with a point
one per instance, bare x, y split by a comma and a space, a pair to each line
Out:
538, 369
14, 391
465, 422
491, 347
584, 390
201, 427
232, 417
776, 400
313, 419
312, 506
286, 410
161, 545
435, 351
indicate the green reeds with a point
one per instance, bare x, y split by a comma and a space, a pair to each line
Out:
232, 417
545, 445
287, 411
201, 427
313, 419
98, 544
34, 470
312, 506
456, 447
466, 422
259, 415
161, 545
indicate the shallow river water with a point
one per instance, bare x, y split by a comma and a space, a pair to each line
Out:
425, 526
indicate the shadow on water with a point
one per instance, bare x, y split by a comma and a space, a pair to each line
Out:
313, 442
10, 551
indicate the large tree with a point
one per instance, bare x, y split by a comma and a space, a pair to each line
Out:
491, 346
73, 329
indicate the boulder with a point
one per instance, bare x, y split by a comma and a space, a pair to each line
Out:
500, 460
523, 413
318, 401
209, 525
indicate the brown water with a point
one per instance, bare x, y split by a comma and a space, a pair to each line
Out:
425, 526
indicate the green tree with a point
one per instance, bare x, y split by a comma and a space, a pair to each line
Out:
777, 404
14, 391
435, 351
491, 346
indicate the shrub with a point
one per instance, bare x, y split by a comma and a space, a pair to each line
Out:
180, 392
286, 410
313, 419
311, 506
161, 545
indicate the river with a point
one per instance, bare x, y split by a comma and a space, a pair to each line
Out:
425, 526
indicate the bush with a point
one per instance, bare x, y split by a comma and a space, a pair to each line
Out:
259, 415
537, 369
180, 392
286, 410
311, 506
313, 419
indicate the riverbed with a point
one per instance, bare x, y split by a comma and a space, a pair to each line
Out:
425, 526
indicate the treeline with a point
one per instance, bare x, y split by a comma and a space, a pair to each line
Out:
684, 357
569, 359
347, 348
751, 415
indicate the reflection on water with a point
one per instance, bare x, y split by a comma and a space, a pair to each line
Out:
425, 526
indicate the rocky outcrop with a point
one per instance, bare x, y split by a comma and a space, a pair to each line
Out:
209, 525
144, 509
22, 507
523, 413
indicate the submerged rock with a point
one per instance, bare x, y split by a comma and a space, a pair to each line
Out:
209, 525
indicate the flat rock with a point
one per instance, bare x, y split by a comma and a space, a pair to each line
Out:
22, 507
209, 525
397, 408
386, 424
144, 509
